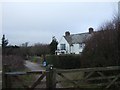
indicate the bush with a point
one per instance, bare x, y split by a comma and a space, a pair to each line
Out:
36, 59
14, 62
64, 61
103, 48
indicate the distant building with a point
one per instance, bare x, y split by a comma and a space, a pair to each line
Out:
73, 43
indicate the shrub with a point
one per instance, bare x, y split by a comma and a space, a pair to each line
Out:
64, 61
103, 48
36, 59
39, 49
14, 62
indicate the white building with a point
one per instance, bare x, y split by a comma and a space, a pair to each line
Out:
73, 43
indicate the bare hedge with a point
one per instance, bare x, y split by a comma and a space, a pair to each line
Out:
14, 62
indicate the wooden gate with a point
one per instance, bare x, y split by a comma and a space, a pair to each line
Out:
98, 77
42, 74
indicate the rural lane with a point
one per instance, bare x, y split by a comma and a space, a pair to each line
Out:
35, 66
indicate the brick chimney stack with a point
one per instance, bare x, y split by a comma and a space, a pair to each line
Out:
91, 30
67, 33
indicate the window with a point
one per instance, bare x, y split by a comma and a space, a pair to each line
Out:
62, 46
80, 45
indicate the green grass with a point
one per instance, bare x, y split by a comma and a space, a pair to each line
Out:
27, 80
70, 76
36, 59
75, 76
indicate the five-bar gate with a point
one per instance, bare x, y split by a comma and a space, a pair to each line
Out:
98, 77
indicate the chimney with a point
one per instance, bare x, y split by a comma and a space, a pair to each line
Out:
91, 30
67, 33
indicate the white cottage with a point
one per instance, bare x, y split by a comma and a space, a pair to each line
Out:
73, 43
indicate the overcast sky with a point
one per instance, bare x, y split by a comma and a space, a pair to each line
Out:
37, 22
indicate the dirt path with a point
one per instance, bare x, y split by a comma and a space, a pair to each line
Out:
35, 66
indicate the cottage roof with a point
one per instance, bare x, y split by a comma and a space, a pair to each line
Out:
77, 38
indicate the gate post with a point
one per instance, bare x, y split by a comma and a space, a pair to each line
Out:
50, 77
6, 82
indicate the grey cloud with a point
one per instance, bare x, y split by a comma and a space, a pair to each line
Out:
38, 22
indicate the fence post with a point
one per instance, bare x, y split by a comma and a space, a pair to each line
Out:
6, 82
50, 77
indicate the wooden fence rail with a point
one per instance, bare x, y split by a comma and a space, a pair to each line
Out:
90, 69
101, 75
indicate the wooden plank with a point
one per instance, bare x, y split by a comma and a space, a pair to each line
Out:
101, 78
67, 71
70, 81
90, 74
36, 72
25, 73
89, 69
91, 84
38, 81
91, 79
15, 73
101, 74
113, 81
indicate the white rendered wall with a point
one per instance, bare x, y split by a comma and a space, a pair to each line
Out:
63, 41
77, 49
